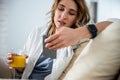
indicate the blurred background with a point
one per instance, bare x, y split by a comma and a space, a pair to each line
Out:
19, 17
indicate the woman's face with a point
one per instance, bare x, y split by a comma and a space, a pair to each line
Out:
65, 13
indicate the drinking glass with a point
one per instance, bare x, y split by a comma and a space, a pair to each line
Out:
19, 58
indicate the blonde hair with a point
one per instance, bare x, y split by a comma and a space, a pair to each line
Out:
83, 16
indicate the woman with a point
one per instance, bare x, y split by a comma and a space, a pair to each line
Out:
62, 38
68, 15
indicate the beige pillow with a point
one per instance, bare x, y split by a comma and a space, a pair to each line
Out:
100, 59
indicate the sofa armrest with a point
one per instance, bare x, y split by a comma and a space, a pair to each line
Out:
100, 59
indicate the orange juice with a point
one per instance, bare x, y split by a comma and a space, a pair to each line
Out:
19, 61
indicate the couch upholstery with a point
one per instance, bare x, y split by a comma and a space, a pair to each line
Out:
98, 59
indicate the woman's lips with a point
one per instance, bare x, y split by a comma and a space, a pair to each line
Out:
61, 22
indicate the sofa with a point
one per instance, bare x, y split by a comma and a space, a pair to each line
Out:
96, 59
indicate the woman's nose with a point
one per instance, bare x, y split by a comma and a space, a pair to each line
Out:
64, 15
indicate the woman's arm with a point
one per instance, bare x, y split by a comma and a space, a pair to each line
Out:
102, 25
67, 36
86, 33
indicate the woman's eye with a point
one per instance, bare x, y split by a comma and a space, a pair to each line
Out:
60, 8
72, 13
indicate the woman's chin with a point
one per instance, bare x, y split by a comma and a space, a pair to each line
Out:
59, 26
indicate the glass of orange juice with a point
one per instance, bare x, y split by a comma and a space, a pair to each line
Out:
19, 59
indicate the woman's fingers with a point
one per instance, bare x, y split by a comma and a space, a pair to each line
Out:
53, 43
62, 38
51, 38
9, 57
10, 67
57, 46
57, 43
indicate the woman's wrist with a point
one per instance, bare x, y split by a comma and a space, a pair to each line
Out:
102, 25
93, 30
83, 32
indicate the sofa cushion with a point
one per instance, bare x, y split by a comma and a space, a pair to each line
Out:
100, 59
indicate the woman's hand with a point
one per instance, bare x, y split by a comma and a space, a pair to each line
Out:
10, 60
65, 36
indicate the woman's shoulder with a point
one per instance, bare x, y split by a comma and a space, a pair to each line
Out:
39, 29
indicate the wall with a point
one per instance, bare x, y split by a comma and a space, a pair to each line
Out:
23, 16
108, 9
3, 25
105, 9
